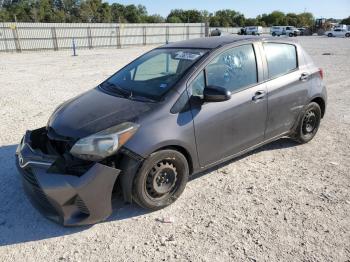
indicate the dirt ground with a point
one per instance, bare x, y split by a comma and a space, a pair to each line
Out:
283, 202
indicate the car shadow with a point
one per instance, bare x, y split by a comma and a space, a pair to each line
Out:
20, 222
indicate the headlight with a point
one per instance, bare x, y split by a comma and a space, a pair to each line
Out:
104, 143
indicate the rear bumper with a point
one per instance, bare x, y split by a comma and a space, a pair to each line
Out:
67, 199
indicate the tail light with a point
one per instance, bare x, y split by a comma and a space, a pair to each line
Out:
321, 72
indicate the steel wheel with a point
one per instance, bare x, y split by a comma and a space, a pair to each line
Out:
161, 179
308, 124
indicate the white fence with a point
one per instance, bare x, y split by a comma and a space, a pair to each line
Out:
57, 36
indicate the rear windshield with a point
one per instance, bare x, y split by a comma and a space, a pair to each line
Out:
153, 74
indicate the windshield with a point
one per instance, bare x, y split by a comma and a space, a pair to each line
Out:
153, 74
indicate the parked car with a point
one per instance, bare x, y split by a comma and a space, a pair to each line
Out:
302, 30
338, 33
216, 32
284, 30
253, 30
177, 110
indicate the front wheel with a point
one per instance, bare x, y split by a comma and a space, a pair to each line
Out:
291, 34
330, 35
309, 123
347, 35
161, 179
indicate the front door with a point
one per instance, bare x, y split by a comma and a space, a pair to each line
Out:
223, 129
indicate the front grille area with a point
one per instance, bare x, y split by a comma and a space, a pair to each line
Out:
81, 205
36, 194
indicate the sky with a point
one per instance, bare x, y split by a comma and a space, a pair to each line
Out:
250, 8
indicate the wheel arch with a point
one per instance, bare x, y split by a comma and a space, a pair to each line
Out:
183, 151
321, 102
132, 162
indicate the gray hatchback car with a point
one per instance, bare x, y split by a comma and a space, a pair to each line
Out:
173, 112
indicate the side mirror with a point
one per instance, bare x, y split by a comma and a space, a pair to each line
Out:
216, 94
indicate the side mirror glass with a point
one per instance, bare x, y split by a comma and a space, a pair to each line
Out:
216, 94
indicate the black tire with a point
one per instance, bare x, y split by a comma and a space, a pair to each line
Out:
330, 35
347, 35
309, 123
291, 34
161, 179
273, 34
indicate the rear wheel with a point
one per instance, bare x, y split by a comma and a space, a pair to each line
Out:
161, 179
308, 123
291, 34
347, 35
273, 34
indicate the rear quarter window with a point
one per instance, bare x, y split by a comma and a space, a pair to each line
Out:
281, 58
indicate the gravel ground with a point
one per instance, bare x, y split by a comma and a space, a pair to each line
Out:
283, 202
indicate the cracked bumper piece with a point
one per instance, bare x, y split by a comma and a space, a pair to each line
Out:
70, 200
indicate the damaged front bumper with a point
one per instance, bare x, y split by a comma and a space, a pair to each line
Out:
68, 199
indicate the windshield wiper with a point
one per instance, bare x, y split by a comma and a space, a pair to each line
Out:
125, 93
119, 90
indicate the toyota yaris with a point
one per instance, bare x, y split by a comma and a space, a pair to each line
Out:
173, 112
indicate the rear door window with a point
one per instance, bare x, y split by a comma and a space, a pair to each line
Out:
281, 58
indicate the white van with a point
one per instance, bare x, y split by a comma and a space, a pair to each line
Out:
254, 30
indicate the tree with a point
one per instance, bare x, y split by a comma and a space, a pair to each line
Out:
155, 19
292, 19
275, 18
117, 12
306, 19
89, 11
45, 12
4, 15
227, 18
250, 22
97, 11
105, 13
133, 14
185, 16
174, 19
345, 21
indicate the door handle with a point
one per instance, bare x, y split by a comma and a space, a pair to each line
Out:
304, 76
259, 95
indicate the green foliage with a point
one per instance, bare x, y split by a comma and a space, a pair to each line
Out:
345, 21
229, 18
185, 16
96, 11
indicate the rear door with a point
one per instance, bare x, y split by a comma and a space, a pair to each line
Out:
287, 83
223, 129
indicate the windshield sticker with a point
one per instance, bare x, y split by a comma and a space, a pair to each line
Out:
163, 85
186, 56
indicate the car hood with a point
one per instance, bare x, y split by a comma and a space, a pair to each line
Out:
94, 111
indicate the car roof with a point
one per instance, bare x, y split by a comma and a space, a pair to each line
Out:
212, 42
